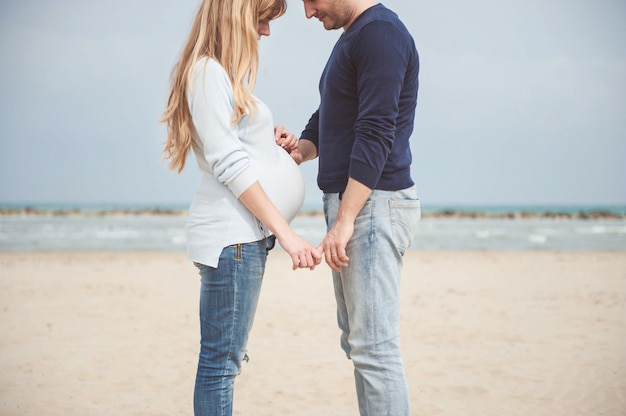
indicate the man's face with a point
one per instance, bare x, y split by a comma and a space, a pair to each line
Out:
334, 14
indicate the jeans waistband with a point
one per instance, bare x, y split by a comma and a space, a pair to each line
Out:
340, 194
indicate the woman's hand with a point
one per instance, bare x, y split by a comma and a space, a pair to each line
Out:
285, 139
303, 255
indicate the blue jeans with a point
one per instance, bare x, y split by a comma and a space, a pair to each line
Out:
368, 297
228, 300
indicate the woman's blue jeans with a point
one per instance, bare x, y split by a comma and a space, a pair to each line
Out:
368, 297
228, 300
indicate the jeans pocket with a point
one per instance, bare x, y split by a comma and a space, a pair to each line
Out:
405, 215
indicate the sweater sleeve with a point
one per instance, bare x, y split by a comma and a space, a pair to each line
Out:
211, 104
381, 58
311, 131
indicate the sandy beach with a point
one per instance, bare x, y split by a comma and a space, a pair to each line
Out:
483, 333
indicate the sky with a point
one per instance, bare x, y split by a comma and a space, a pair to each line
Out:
520, 103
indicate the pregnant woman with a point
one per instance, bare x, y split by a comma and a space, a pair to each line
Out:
250, 187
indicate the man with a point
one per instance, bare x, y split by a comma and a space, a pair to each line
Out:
361, 134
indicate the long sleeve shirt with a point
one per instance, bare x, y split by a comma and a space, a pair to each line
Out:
368, 95
231, 158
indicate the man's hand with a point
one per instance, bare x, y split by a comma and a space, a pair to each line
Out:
335, 242
296, 156
305, 150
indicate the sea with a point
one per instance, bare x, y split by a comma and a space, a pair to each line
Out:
147, 228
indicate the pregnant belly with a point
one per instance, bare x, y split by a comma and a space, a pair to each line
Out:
283, 182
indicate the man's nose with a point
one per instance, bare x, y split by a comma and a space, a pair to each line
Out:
308, 10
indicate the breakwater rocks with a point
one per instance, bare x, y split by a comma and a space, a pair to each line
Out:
444, 213
76, 212
522, 215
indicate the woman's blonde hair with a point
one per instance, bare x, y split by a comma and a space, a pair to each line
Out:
227, 31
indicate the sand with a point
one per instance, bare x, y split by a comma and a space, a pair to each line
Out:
483, 333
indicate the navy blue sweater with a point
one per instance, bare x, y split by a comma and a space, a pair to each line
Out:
368, 95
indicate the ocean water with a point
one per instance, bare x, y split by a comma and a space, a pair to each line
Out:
167, 233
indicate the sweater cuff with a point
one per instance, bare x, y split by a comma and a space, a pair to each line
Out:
242, 182
364, 173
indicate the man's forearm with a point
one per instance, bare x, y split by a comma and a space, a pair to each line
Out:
353, 200
307, 150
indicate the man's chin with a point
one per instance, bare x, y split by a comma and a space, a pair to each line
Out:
329, 25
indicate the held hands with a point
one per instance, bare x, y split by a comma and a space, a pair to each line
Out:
332, 248
285, 139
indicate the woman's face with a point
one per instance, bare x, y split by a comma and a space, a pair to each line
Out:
263, 28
